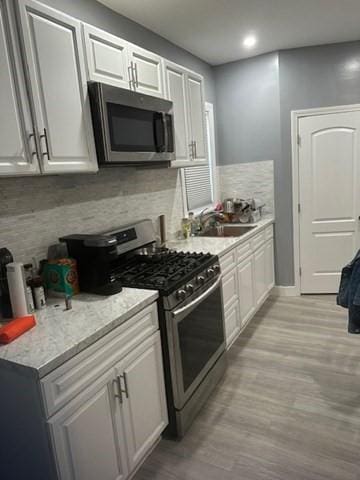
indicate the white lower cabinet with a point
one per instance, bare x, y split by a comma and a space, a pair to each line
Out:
144, 405
260, 275
246, 289
248, 277
88, 435
107, 429
269, 264
232, 322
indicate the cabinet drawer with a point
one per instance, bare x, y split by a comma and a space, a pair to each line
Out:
228, 261
244, 251
269, 232
230, 287
258, 240
64, 383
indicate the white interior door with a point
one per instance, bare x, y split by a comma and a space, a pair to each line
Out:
329, 156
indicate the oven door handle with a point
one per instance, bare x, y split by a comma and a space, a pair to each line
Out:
197, 300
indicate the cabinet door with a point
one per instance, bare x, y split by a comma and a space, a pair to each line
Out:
56, 65
197, 117
269, 267
176, 92
230, 288
260, 275
246, 289
88, 437
17, 141
232, 322
148, 71
106, 57
144, 404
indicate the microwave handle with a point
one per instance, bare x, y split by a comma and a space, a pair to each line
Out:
158, 132
166, 133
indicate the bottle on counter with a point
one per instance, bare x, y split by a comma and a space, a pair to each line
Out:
186, 227
36, 284
38, 292
28, 268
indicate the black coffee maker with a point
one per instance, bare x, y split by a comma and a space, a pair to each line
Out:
5, 303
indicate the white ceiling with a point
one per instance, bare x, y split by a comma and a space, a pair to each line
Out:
214, 29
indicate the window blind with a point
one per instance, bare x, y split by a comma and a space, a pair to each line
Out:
198, 187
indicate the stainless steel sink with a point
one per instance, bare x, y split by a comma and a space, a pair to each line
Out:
227, 231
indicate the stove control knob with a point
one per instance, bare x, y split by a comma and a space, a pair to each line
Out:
216, 268
189, 288
181, 294
210, 271
200, 279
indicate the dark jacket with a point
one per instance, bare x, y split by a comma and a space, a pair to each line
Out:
349, 292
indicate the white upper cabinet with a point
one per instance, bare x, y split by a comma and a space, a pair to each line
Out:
185, 90
147, 71
107, 58
176, 92
57, 77
197, 117
17, 141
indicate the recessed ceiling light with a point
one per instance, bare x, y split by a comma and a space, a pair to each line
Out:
250, 41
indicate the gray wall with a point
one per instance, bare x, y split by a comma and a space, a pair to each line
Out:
248, 118
247, 108
100, 16
254, 100
309, 77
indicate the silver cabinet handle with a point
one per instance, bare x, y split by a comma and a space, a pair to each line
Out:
195, 152
44, 136
131, 77
191, 148
136, 76
126, 391
118, 394
34, 152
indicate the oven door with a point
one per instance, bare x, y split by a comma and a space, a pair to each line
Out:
196, 340
137, 127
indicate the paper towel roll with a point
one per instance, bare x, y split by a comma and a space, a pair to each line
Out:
17, 289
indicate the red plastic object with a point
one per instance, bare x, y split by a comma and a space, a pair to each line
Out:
16, 327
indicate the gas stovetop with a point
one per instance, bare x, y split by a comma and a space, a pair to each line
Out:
165, 271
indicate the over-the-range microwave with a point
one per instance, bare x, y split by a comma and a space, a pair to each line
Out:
131, 128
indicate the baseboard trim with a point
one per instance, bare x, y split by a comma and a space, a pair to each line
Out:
279, 291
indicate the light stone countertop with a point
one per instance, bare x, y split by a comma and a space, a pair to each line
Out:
219, 245
59, 334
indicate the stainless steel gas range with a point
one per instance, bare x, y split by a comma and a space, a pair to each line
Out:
190, 309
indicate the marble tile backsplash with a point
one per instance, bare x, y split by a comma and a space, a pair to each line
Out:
36, 211
249, 180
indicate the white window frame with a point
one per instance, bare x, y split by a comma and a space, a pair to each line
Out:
211, 151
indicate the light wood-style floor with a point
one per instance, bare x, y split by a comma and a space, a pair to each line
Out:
287, 409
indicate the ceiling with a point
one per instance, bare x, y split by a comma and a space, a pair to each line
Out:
214, 29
